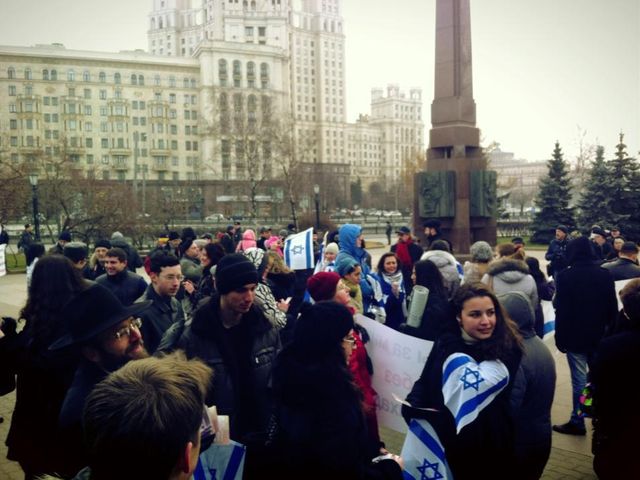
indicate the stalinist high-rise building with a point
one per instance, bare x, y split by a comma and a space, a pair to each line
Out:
192, 107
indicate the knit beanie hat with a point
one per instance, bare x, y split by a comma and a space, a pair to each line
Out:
234, 271
345, 265
322, 286
320, 328
332, 248
65, 235
103, 243
481, 252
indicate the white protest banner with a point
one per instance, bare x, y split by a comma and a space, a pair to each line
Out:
3, 260
398, 360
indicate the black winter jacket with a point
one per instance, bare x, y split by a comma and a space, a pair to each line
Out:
156, 320
244, 397
585, 304
126, 285
488, 440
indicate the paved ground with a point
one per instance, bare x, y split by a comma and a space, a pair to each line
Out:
570, 456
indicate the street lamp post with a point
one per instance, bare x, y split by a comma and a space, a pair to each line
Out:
316, 191
33, 180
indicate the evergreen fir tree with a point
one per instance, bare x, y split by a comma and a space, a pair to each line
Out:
595, 202
553, 199
625, 191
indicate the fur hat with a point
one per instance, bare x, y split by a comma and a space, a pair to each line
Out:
234, 271
322, 285
103, 243
76, 251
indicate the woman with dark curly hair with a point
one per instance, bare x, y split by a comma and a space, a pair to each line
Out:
391, 280
209, 258
43, 379
437, 311
473, 362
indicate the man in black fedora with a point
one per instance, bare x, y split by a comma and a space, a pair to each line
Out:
106, 334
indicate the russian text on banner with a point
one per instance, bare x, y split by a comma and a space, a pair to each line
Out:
398, 360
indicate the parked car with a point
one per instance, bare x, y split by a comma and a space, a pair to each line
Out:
392, 214
215, 217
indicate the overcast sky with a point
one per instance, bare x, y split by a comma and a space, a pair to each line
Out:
544, 70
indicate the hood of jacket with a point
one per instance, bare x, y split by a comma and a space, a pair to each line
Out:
348, 234
508, 270
257, 257
440, 258
519, 309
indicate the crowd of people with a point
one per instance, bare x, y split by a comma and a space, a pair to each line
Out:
108, 363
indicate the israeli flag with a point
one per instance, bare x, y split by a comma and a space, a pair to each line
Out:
221, 462
298, 250
468, 387
423, 453
549, 314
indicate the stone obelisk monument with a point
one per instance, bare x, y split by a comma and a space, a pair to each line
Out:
456, 189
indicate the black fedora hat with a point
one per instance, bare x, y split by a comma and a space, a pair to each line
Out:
90, 313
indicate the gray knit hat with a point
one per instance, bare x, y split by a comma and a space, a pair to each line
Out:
481, 252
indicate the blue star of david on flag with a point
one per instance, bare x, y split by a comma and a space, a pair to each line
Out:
298, 250
423, 454
427, 465
475, 383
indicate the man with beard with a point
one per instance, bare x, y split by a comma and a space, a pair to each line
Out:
165, 310
106, 334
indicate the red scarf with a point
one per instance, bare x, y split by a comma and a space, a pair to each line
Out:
402, 252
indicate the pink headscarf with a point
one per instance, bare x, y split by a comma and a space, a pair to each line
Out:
271, 241
248, 241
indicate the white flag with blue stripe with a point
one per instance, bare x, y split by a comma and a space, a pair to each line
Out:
298, 250
221, 462
468, 387
423, 454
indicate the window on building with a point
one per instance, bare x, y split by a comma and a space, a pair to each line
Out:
264, 75
87, 93
27, 74
156, 80
104, 143
172, 81
12, 90
86, 76
102, 77
237, 73
134, 79
117, 78
45, 74
71, 75
140, 79
222, 72
11, 73
88, 142
103, 94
